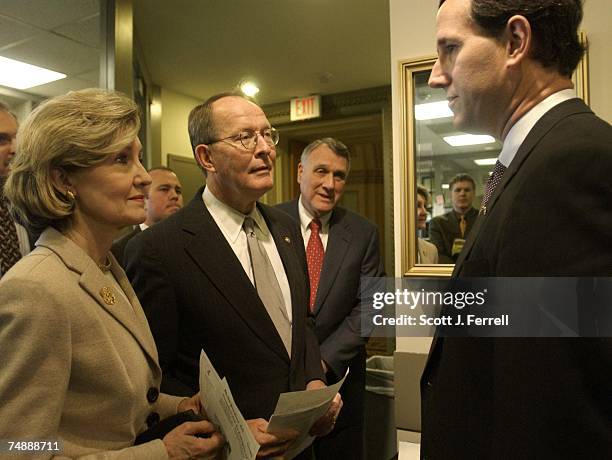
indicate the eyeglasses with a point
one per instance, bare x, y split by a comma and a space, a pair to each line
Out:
248, 138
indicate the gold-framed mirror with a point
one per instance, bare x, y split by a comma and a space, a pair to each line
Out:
431, 156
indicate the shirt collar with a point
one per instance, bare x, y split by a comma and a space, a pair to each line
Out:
517, 134
228, 219
306, 217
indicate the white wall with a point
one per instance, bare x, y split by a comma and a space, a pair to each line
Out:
174, 136
413, 35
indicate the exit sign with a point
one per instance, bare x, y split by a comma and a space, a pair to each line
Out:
303, 108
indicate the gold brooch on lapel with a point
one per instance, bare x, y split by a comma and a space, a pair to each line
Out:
107, 296
287, 239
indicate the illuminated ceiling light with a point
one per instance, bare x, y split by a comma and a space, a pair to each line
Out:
468, 139
19, 75
432, 110
445, 186
485, 161
249, 88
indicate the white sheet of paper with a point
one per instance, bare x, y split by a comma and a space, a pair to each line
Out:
298, 410
221, 410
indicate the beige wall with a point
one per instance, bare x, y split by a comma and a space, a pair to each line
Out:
174, 136
596, 24
413, 35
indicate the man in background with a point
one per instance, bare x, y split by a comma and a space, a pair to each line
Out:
449, 231
341, 247
14, 240
506, 67
164, 197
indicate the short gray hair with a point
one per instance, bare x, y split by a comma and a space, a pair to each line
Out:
338, 147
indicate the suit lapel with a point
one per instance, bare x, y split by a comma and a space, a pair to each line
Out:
99, 287
541, 128
338, 242
209, 249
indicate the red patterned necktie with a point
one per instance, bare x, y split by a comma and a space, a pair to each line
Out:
9, 244
492, 182
314, 256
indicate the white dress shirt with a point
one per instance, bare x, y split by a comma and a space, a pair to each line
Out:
230, 223
306, 218
517, 134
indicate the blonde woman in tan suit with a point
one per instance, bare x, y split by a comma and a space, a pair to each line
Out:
79, 364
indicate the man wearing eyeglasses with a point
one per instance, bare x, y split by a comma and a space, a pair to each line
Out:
227, 274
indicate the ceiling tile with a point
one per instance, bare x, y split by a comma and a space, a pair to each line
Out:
58, 87
55, 53
86, 31
49, 14
12, 32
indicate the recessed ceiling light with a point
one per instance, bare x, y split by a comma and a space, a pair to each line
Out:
468, 139
249, 88
485, 161
20, 75
432, 110
445, 186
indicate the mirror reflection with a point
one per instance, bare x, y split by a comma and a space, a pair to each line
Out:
452, 168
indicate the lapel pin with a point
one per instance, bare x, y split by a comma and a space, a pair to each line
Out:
287, 239
107, 296
483, 210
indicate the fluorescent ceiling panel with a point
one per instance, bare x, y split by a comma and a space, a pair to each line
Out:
432, 110
19, 75
468, 139
485, 161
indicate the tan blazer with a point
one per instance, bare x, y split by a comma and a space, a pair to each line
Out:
428, 253
79, 363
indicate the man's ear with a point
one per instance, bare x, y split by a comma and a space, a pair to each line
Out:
203, 156
519, 39
300, 170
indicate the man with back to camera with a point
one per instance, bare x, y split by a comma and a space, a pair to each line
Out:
14, 239
449, 231
341, 247
227, 274
506, 68
164, 197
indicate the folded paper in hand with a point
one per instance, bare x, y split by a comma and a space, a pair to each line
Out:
297, 410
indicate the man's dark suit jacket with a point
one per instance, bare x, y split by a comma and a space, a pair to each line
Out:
444, 229
197, 296
352, 252
532, 398
118, 247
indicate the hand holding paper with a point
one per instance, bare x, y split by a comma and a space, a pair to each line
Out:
271, 444
325, 424
302, 411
